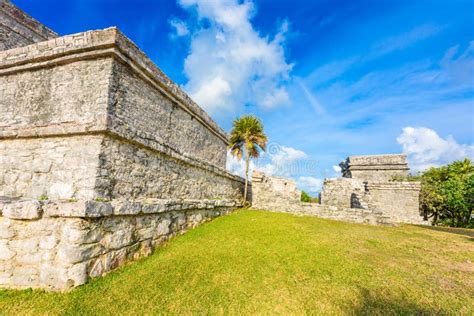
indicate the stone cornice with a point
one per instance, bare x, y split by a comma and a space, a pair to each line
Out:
100, 44
34, 209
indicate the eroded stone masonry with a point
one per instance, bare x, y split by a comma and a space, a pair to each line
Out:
102, 156
371, 191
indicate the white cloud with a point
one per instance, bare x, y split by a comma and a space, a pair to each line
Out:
404, 40
336, 169
230, 64
237, 167
180, 27
283, 162
425, 148
310, 184
460, 69
285, 155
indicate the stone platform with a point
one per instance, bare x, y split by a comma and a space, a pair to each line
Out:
102, 156
57, 245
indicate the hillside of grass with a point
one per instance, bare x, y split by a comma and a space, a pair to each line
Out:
261, 262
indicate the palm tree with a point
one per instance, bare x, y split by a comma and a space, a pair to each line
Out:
247, 137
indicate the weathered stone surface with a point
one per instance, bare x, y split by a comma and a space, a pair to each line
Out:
73, 163
342, 192
102, 157
375, 167
272, 191
78, 209
64, 248
18, 29
348, 199
23, 210
5, 252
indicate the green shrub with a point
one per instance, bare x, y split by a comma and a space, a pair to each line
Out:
447, 194
305, 197
43, 197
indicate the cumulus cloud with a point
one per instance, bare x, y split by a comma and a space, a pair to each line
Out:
230, 64
180, 27
336, 169
310, 184
237, 167
283, 161
425, 148
280, 162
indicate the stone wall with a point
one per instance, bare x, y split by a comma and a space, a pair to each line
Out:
19, 29
57, 245
342, 192
397, 199
130, 171
272, 191
375, 167
102, 158
345, 199
113, 105
56, 167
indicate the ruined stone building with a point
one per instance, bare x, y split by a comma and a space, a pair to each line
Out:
102, 156
372, 190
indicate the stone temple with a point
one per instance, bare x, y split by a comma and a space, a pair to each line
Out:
372, 190
103, 158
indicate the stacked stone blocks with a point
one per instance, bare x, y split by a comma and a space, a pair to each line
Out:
102, 156
57, 245
372, 194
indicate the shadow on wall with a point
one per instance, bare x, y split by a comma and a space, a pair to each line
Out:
385, 303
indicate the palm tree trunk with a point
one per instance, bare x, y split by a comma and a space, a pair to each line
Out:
247, 161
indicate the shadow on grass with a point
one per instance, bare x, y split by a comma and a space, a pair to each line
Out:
380, 304
457, 231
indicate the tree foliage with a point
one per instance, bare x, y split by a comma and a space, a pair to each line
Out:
305, 197
248, 139
447, 194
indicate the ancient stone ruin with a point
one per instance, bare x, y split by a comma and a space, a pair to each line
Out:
102, 156
372, 190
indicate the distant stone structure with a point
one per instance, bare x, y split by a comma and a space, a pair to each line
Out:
102, 156
375, 167
371, 191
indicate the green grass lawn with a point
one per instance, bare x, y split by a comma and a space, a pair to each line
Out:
261, 262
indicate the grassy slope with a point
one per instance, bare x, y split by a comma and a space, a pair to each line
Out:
255, 261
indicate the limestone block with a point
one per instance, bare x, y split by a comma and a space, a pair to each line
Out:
25, 276
61, 190
29, 245
5, 278
127, 208
6, 230
23, 210
81, 208
70, 254
47, 242
77, 274
29, 258
6, 253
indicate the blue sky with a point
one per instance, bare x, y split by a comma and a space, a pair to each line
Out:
328, 78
